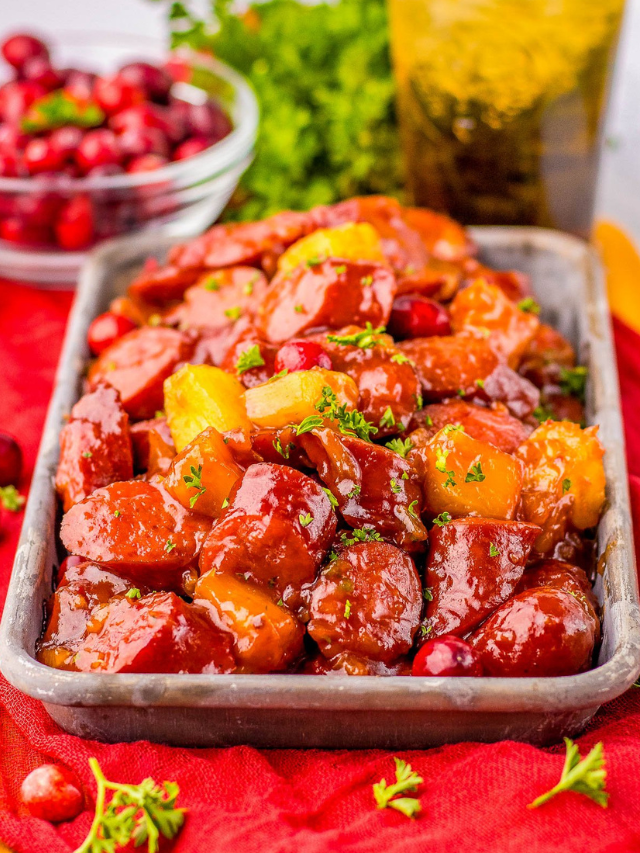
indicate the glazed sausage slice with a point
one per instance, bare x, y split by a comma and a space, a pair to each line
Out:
504, 385
473, 566
275, 532
373, 486
449, 365
158, 632
540, 632
153, 447
245, 340
326, 295
137, 529
95, 446
366, 602
493, 426
567, 577
137, 365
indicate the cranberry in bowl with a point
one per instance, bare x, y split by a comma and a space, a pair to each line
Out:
102, 136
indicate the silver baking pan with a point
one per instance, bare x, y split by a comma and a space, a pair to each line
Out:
317, 711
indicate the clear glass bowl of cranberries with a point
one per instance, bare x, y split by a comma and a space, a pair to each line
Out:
107, 135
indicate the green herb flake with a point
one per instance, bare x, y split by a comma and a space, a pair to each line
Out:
194, 481
387, 419
407, 781
315, 261
480, 383
332, 498
493, 551
233, 313
11, 499
349, 422
442, 519
277, 376
411, 509
212, 283
283, 451
475, 475
401, 358
299, 309
355, 491
586, 776
362, 534
341, 269
169, 546
566, 485
529, 305
347, 609
225, 503
365, 339
58, 109
366, 280
133, 593
400, 446
305, 519
544, 413
117, 513
249, 359
309, 423
396, 488
427, 593
87, 454
573, 382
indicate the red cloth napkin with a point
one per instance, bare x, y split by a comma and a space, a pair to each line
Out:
474, 796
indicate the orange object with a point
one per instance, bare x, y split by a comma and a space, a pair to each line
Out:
621, 262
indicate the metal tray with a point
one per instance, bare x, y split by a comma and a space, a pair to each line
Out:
313, 711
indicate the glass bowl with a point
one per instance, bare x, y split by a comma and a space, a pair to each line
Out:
182, 198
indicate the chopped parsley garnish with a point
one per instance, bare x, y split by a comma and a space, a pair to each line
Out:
305, 519
212, 283
225, 503
386, 796
452, 428
309, 423
493, 551
411, 509
544, 413
233, 313
428, 595
365, 339
298, 309
387, 419
341, 269
347, 609
248, 288
169, 546
441, 465
316, 261
586, 776
117, 513
573, 382
396, 488
349, 422
480, 383
278, 375
425, 629
401, 358
283, 451
87, 454
366, 280
362, 534
442, 519
355, 491
133, 593
160, 414
529, 305
332, 498
194, 481
250, 358
400, 446
566, 485
428, 420
475, 475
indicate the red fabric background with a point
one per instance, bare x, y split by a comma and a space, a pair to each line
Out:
474, 796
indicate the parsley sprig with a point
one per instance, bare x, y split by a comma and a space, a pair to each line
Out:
407, 781
136, 813
365, 339
586, 776
349, 422
250, 358
400, 446
573, 382
194, 481
475, 474
361, 534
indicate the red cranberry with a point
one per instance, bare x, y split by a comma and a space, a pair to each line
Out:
40, 70
147, 163
74, 228
14, 229
38, 209
138, 141
106, 329
10, 460
18, 49
106, 171
208, 120
52, 793
12, 139
141, 115
98, 148
79, 84
190, 147
448, 655
66, 140
68, 563
115, 94
16, 97
415, 316
301, 355
41, 156
155, 82
9, 166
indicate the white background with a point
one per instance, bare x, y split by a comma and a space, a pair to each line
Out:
619, 196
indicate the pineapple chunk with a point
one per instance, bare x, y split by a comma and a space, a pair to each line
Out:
199, 396
266, 636
464, 476
203, 474
292, 398
353, 241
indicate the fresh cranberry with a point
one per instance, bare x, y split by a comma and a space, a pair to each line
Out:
52, 793
98, 148
137, 141
68, 563
79, 84
19, 49
115, 94
14, 229
16, 97
41, 156
10, 460
445, 656
74, 228
141, 115
9, 166
301, 355
108, 170
40, 70
12, 139
190, 147
66, 140
155, 82
415, 316
147, 163
107, 328
208, 120
38, 209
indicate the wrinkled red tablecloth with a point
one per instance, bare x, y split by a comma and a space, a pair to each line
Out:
474, 796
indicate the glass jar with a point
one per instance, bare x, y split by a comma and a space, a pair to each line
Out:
501, 105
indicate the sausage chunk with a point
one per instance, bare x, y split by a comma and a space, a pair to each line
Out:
137, 529
474, 565
540, 632
493, 426
366, 602
137, 365
95, 446
450, 365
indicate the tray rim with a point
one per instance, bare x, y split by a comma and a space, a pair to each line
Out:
499, 695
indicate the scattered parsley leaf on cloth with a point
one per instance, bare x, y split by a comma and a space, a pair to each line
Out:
407, 781
586, 776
